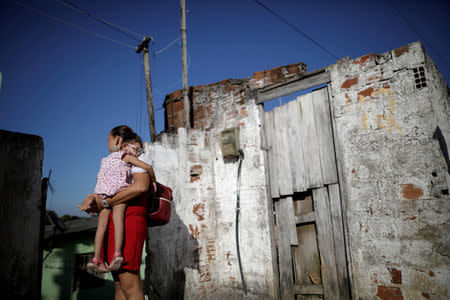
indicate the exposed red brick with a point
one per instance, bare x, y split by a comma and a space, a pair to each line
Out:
223, 82
396, 276
199, 211
431, 273
410, 218
426, 295
204, 273
353, 171
195, 232
411, 192
400, 51
243, 112
389, 293
258, 75
275, 75
211, 251
349, 82
373, 78
367, 92
364, 59
175, 95
348, 99
196, 171
293, 69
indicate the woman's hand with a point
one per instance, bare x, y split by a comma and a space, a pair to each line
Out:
91, 204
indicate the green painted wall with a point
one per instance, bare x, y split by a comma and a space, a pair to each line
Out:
58, 270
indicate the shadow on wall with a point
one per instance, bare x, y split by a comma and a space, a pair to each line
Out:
171, 249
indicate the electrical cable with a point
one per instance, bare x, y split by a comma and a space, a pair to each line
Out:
167, 47
416, 32
118, 28
71, 24
238, 209
295, 28
179, 81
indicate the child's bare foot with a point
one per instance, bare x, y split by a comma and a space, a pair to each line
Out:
117, 261
97, 265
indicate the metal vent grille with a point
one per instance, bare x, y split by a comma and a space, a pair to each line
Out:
419, 77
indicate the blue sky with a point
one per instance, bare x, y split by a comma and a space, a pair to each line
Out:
71, 88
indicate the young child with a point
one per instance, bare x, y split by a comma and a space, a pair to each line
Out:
114, 176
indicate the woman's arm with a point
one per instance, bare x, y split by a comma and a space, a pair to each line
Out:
136, 189
130, 159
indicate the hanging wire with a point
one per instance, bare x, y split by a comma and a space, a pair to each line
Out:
167, 47
175, 83
295, 28
71, 24
118, 28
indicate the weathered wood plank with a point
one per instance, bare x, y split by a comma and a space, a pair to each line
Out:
282, 151
339, 244
271, 146
305, 218
322, 118
326, 243
284, 251
295, 147
307, 261
343, 191
311, 154
269, 202
290, 219
292, 87
311, 289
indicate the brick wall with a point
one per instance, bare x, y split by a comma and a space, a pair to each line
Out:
203, 98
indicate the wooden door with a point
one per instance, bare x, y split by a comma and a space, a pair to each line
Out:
305, 191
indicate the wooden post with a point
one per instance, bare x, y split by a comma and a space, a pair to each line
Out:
184, 63
143, 46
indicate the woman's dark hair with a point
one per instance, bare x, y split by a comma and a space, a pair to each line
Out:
126, 133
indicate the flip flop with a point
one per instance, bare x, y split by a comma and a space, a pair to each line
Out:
116, 263
97, 265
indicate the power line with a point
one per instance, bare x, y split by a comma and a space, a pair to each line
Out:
416, 32
71, 24
118, 28
296, 29
167, 47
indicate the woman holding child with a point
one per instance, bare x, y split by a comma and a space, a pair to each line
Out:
129, 208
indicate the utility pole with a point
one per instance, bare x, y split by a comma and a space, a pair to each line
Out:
184, 62
143, 46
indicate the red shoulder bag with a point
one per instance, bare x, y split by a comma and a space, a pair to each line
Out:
159, 205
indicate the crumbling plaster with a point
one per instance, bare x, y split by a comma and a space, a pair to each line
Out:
394, 174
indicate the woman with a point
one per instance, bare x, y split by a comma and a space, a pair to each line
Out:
127, 280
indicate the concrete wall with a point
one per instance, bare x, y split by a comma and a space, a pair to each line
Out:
20, 212
394, 174
194, 256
